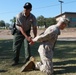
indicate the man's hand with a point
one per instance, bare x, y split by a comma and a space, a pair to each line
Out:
28, 38
31, 42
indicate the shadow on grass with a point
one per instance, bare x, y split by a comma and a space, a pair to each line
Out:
66, 69
65, 62
34, 49
63, 67
3, 71
63, 50
6, 49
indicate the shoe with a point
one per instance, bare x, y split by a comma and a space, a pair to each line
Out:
29, 66
15, 63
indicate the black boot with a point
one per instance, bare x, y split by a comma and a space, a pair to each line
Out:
15, 63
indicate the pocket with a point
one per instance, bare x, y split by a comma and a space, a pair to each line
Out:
41, 49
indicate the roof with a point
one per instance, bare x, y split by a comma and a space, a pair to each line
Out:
65, 13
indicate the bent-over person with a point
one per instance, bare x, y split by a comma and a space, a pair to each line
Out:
46, 48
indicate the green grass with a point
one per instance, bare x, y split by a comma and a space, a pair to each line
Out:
64, 59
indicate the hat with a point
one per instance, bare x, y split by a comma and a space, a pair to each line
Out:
63, 20
27, 5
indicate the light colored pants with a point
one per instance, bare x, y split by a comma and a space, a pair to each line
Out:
46, 55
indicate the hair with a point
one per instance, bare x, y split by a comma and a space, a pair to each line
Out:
63, 20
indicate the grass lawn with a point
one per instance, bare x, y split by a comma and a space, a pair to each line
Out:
64, 59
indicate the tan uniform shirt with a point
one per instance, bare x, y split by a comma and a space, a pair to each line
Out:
49, 36
26, 22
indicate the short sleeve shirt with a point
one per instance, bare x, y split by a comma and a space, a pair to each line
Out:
25, 22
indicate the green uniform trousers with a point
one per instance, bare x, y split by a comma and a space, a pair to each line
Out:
17, 43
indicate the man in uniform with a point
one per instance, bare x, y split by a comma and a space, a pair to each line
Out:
24, 21
48, 40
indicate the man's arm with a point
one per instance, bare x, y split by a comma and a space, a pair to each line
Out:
45, 36
42, 37
22, 31
35, 31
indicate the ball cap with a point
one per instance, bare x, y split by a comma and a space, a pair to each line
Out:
27, 5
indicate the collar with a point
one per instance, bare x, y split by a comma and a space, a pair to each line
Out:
24, 14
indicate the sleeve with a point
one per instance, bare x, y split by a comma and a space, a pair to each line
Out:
18, 20
34, 22
44, 37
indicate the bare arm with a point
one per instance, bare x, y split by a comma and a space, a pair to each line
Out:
35, 31
22, 31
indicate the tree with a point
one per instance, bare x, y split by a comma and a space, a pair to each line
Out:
2, 23
40, 20
50, 21
13, 20
7, 25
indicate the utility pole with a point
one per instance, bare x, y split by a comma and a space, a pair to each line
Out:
61, 5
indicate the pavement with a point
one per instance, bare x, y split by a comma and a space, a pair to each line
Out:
66, 35
67, 39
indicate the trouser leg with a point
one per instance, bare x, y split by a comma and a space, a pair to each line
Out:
47, 65
27, 49
17, 43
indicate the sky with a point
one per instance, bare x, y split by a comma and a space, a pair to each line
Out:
46, 8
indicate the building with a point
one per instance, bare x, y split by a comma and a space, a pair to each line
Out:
71, 16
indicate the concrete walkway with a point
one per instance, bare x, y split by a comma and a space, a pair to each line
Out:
66, 35
67, 39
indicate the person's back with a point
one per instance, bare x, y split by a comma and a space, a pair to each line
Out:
46, 48
53, 31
